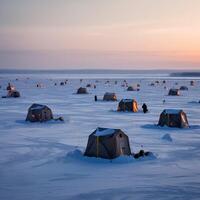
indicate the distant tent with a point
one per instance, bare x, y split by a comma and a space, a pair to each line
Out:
109, 97
173, 118
88, 85
82, 90
39, 113
13, 93
174, 92
107, 143
128, 105
183, 88
132, 88
192, 83
152, 84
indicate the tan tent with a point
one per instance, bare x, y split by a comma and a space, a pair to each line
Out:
173, 118
39, 113
82, 90
128, 105
107, 143
174, 92
110, 97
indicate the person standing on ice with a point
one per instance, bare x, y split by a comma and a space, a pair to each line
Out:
144, 107
95, 97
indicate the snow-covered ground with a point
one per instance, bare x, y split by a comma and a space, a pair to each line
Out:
43, 160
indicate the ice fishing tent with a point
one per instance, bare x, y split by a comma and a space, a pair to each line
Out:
192, 83
82, 90
174, 92
39, 113
109, 97
13, 93
107, 143
128, 105
173, 118
183, 88
132, 88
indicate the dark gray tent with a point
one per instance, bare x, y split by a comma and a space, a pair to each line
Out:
82, 90
174, 92
173, 118
128, 105
107, 143
39, 113
109, 97
183, 88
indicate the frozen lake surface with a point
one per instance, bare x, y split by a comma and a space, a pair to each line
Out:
44, 160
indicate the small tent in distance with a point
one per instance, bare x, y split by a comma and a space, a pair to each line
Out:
82, 90
109, 97
173, 118
39, 113
133, 88
129, 105
107, 143
174, 92
183, 88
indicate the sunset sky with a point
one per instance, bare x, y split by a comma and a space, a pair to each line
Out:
114, 34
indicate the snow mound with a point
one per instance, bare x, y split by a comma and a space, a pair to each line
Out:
167, 137
77, 155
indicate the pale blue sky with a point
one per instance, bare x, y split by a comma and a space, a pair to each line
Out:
118, 34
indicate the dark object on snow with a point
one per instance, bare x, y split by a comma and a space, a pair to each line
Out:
95, 97
174, 92
192, 83
62, 83
13, 93
88, 85
141, 153
128, 105
59, 119
183, 88
39, 113
82, 90
173, 118
144, 107
10, 87
109, 97
107, 143
131, 88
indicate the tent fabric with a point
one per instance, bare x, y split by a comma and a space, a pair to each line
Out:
128, 105
39, 113
109, 97
82, 90
173, 118
107, 143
